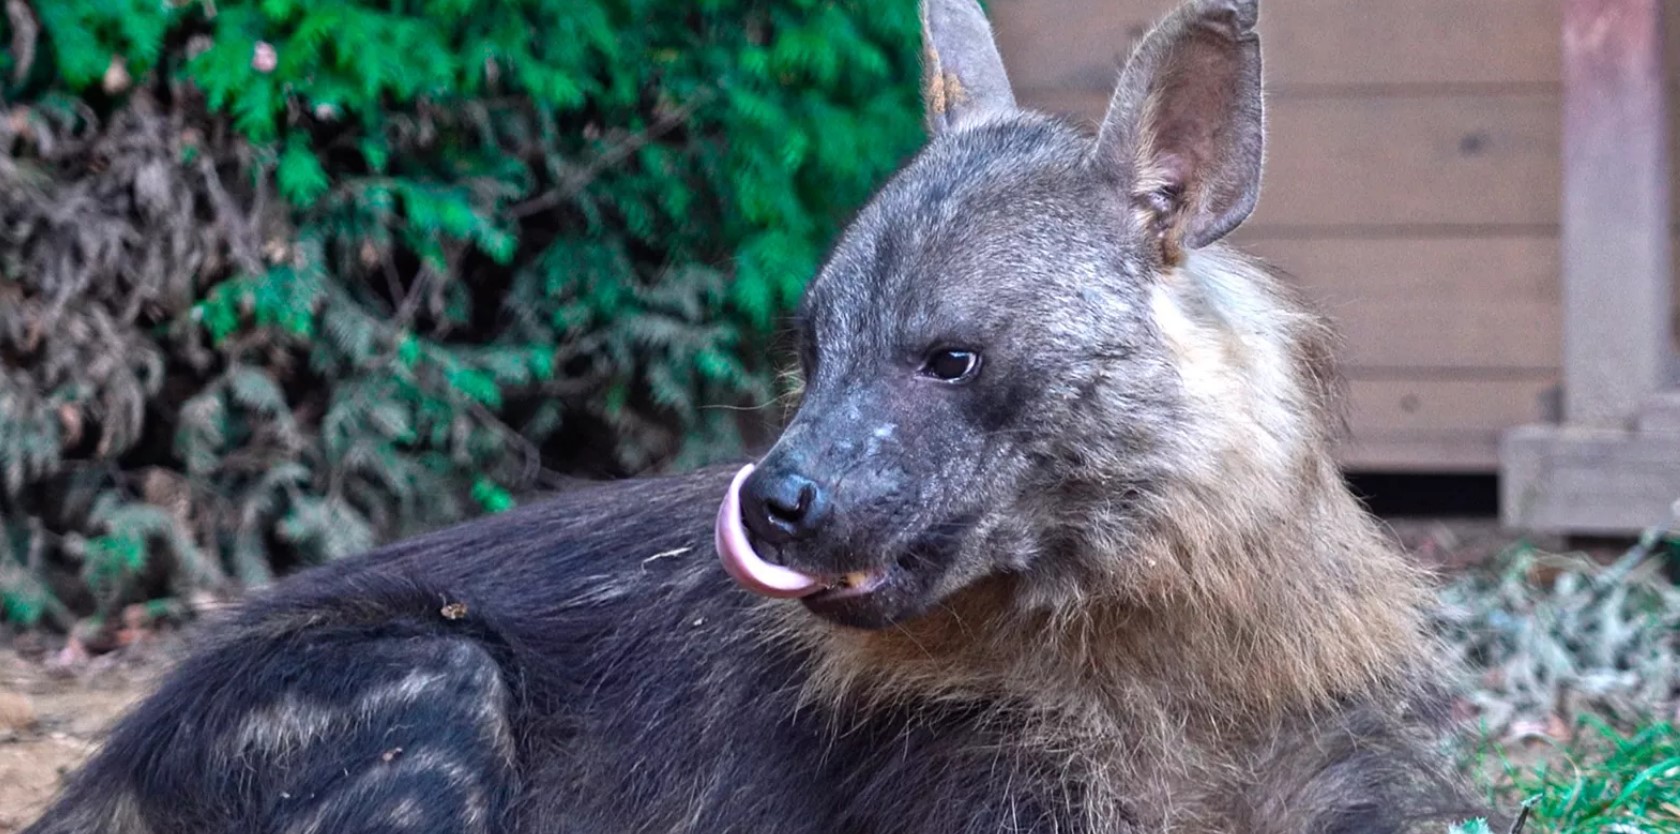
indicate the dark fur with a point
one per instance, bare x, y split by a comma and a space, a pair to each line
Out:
638, 693
1127, 590
593, 685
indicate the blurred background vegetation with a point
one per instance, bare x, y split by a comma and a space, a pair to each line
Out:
281, 280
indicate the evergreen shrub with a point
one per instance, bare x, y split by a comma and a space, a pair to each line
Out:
280, 280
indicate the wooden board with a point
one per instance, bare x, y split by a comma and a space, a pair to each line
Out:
1575, 480
1617, 216
1080, 44
1672, 21
1416, 404
1489, 268
1359, 164
1419, 162
1432, 302
1449, 333
1661, 414
1475, 454
1416, 423
1337, 270
1412, 187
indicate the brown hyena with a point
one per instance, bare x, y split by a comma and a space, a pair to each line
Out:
1054, 543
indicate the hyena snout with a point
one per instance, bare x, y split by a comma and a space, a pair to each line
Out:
781, 506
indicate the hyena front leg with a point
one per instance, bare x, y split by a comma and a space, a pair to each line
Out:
339, 731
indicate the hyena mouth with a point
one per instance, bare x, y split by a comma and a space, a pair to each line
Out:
852, 586
744, 564
751, 571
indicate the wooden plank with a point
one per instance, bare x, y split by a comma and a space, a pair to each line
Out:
1336, 269
1661, 415
1476, 453
1448, 333
1580, 480
1424, 424
1413, 161
1422, 406
1672, 57
1080, 44
1432, 302
1616, 210
1671, 21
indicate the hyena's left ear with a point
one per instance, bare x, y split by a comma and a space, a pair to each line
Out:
962, 73
1184, 131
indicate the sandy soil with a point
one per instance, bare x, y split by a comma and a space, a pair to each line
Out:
53, 713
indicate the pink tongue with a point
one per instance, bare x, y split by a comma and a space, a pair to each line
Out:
743, 564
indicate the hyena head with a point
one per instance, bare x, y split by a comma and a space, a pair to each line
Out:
1029, 338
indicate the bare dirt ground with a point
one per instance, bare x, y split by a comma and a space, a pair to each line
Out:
54, 709
55, 705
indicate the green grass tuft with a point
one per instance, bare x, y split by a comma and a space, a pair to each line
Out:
1573, 668
1602, 780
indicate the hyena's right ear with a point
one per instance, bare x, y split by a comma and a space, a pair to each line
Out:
1184, 131
962, 73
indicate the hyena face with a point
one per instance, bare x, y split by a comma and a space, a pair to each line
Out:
980, 350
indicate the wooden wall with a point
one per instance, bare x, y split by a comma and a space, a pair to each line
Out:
1411, 184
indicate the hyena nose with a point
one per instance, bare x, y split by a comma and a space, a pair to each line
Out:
782, 507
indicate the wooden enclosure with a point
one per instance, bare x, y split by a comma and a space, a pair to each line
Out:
1413, 185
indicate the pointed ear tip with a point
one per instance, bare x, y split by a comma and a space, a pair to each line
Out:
931, 7
1248, 13
1244, 13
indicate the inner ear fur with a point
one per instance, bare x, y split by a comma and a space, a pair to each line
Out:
1184, 131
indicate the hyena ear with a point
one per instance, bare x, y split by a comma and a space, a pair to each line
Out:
1184, 129
962, 73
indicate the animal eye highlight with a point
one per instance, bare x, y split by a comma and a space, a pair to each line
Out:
952, 365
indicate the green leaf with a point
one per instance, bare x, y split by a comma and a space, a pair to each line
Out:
475, 385
491, 496
400, 258
408, 351
302, 179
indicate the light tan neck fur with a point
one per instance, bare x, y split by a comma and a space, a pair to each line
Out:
1255, 586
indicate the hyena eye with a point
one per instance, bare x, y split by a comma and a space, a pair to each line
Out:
952, 365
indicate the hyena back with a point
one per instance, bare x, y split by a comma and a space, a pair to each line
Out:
1058, 506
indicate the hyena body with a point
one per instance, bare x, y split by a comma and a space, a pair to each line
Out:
1078, 556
